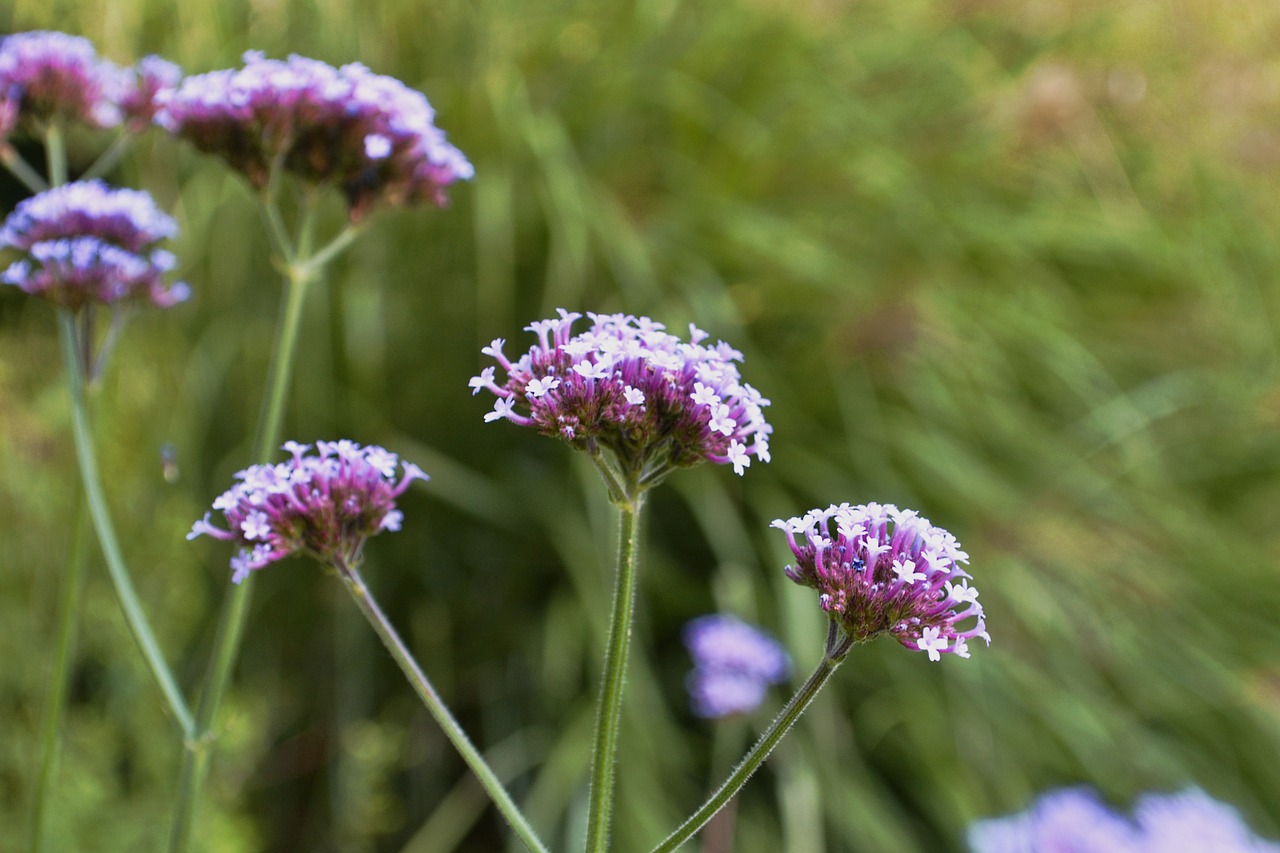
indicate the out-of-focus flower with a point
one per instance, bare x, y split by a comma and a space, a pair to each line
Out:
52, 75
879, 569
87, 243
734, 664
627, 386
368, 134
324, 506
1074, 820
144, 84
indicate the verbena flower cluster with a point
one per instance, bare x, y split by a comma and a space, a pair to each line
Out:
1075, 820
324, 505
369, 134
879, 569
85, 243
47, 76
733, 665
628, 386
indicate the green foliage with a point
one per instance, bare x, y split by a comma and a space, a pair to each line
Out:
1011, 265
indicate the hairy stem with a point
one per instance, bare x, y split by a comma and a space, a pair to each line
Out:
609, 711
758, 753
435, 705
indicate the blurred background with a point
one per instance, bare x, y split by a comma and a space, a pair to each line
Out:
1010, 263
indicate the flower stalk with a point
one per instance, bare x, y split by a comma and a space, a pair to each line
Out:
350, 575
837, 648
609, 709
98, 513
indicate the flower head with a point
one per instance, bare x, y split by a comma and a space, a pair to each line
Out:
324, 505
1074, 820
85, 243
52, 75
879, 569
369, 134
733, 664
626, 385
144, 85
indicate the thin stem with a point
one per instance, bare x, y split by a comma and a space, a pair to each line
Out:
108, 159
417, 678
21, 169
68, 612
55, 154
758, 753
299, 272
199, 748
609, 710
102, 525
334, 248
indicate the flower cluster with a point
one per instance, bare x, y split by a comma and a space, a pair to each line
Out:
628, 386
47, 76
367, 133
1074, 819
324, 505
85, 242
879, 569
733, 665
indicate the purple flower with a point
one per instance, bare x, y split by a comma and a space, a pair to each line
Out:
879, 569
87, 243
369, 134
324, 506
733, 665
627, 386
141, 94
53, 75
1074, 820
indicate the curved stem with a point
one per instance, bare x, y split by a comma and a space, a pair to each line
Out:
417, 678
68, 612
609, 710
758, 753
102, 525
199, 748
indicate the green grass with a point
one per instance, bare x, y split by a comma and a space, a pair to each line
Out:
976, 273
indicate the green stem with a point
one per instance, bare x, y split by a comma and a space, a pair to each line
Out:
102, 525
68, 613
387, 633
21, 169
108, 159
55, 154
334, 248
199, 747
609, 710
837, 648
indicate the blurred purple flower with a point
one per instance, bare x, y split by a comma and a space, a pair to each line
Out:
369, 134
52, 75
879, 569
144, 85
87, 243
324, 506
1074, 820
734, 664
627, 386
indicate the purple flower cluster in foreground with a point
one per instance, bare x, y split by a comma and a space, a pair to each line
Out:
85, 242
733, 665
1074, 820
369, 134
324, 505
879, 569
46, 76
628, 386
